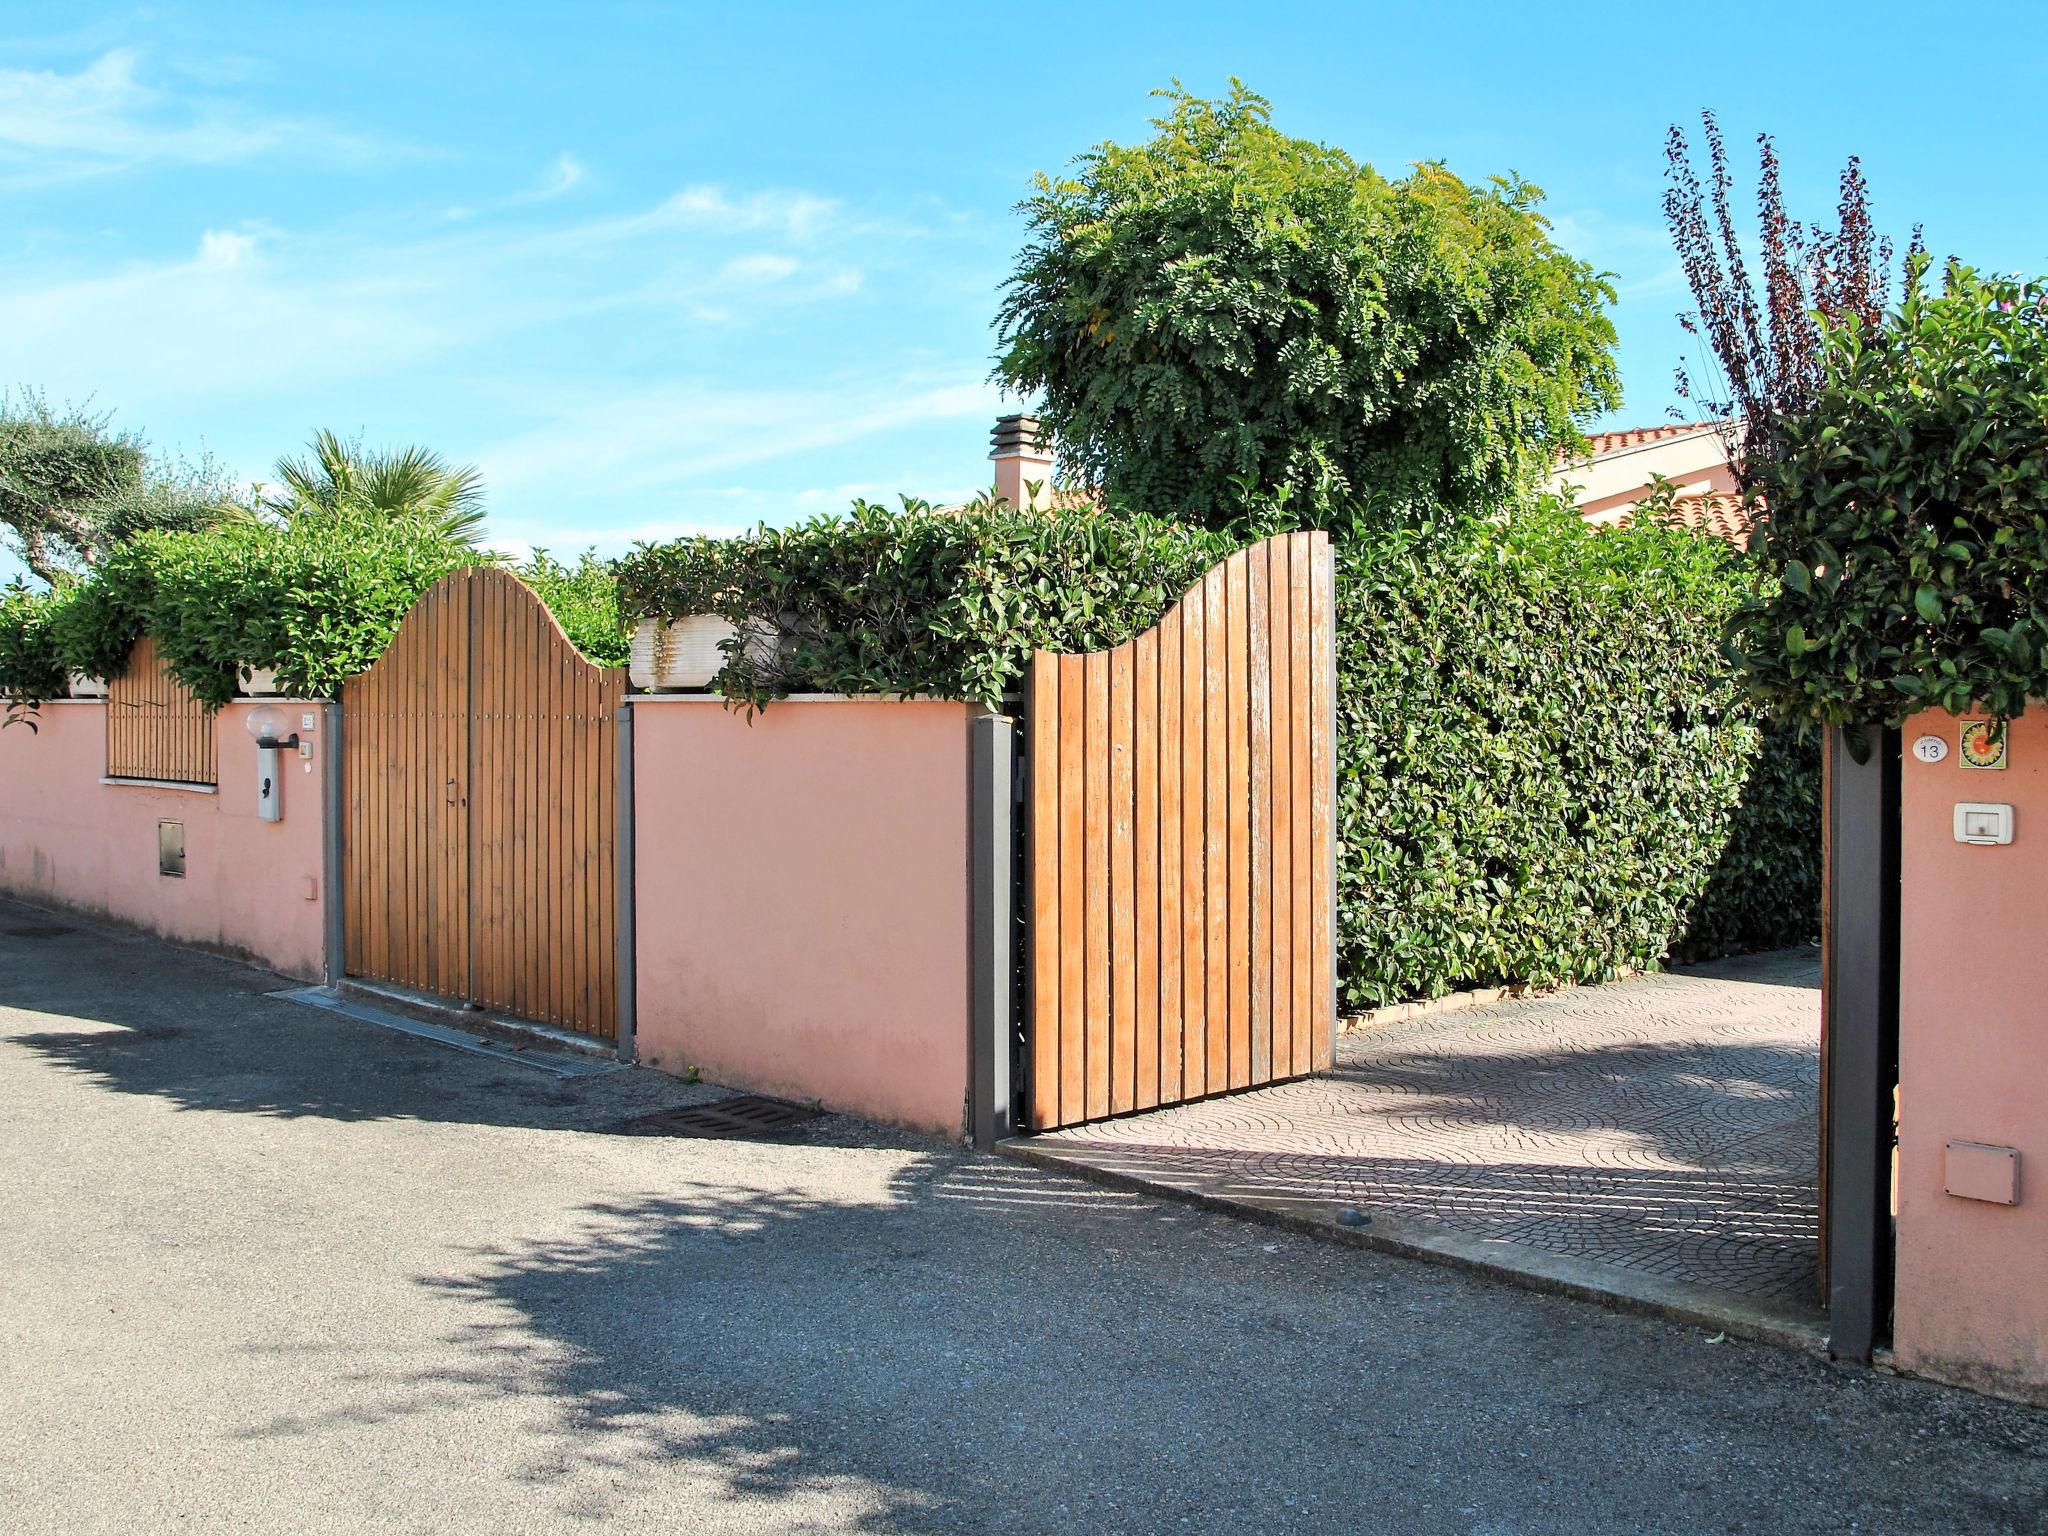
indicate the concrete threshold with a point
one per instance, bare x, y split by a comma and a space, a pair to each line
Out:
578, 1061
1624, 1290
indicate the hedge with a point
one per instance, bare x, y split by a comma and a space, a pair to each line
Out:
319, 599
1547, 771
29, 668
920, 601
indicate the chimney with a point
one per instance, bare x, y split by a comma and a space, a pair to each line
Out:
1021, 454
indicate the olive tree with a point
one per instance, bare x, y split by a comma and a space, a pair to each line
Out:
72, 488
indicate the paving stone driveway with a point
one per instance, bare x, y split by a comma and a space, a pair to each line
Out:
1665, 1125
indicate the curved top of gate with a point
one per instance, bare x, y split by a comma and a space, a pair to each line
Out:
484, 617
1281, 575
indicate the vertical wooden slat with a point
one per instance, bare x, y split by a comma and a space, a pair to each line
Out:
1302, 721
1158, 877
1322, 598
1143, 926
1122, 935
1167, 837
1216, 734
487, 719
1258, 883
1073, 1104
1044, 931
1194, 982
1096, 873
1280, 790
1237, 796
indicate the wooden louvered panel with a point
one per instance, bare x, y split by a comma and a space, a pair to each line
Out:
156, 729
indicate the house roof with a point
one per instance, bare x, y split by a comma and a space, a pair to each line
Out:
1607, 444
1721, 516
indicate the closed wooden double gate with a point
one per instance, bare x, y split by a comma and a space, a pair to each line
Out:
479, 813
1179, 863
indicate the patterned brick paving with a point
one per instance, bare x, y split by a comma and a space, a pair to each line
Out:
1665, 1124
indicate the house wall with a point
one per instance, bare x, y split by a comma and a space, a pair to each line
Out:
803, 923
251, 888
1972, 1290
1606, 489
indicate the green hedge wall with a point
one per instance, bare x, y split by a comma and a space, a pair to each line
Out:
319, 599
1546, 771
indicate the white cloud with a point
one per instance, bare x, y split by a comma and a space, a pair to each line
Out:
669, 434
107, 117
764, 269
225, 248
254, 307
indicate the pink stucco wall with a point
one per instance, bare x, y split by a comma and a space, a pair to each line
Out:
251, 888
803, 901
1972, 1297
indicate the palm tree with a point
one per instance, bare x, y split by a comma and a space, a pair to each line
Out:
399, 482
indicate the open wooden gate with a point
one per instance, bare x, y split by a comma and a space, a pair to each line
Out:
1178, 849
480, 756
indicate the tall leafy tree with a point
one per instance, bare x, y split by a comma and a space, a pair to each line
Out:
412, 482
1224, 309
72, 488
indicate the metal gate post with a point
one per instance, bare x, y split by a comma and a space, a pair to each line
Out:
991, 870
622, 860
1863, 1040
333, 771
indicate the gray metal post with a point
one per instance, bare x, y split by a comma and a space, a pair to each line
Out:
1862, 1045
623, 850
332, 776
991, 876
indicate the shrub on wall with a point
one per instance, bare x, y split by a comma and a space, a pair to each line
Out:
1908, 524
921, 601
319, 599
29, 669
104, 613
584, 598
1546, 772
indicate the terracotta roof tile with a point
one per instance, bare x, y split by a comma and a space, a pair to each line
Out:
1604, 443
1721, 516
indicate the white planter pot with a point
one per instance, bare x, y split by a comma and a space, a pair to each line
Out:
258, 683
684, 654
83, 687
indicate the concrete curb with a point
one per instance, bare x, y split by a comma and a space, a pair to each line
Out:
1622, 1290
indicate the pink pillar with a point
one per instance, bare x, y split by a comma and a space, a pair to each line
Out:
1972, 1290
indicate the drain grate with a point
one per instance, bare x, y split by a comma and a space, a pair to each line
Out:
744, 1117
38, 931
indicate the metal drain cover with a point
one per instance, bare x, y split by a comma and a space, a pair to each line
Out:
744, 1116
38, 931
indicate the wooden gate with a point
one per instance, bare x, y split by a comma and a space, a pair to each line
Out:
1178, 848
480, 757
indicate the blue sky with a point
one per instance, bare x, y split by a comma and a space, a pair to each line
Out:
659, 268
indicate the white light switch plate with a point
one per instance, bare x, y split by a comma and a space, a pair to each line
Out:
1989, 825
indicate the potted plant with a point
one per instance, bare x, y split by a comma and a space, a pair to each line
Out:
257, 682
682, 647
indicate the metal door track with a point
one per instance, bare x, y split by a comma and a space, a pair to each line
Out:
559, 1063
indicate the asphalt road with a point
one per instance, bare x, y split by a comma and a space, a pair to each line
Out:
264, 1268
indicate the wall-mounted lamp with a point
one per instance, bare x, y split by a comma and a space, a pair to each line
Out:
273, 733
